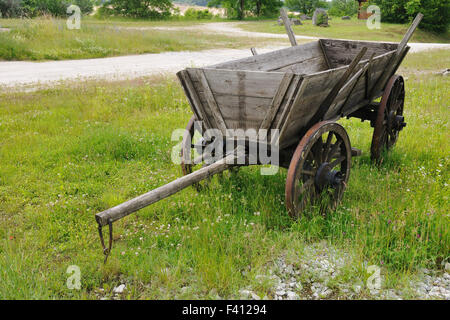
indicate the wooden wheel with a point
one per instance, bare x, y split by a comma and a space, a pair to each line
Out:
191, 151
390, 120
319, 169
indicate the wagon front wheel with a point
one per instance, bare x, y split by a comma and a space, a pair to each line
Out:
191, 152
319, 169
390, 120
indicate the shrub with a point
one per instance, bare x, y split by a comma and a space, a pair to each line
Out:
191, 13
436, 12
153, 9
10, 8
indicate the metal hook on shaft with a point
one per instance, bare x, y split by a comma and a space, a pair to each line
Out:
106, 251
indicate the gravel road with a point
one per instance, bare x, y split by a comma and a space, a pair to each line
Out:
25, 74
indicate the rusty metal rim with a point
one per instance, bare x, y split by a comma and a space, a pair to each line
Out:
380, 126
302, 147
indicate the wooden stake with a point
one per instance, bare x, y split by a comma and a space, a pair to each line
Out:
288, 26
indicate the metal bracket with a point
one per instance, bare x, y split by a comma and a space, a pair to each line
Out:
106, 251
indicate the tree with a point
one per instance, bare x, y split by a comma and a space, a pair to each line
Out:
436, 12
235, 8
343, 8
265, 8
305, 6
153, 9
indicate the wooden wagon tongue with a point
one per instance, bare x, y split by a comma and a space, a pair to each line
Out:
108, 216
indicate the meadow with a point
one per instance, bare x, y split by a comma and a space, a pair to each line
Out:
71, 151
348, 29
48, 38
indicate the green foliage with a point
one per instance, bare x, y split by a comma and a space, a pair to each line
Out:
339, 8
32, 8
191, 13
436, 12
237, 9
306, 6
152, 9
10, 8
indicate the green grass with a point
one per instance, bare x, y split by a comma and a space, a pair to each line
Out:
349, 29
69, 152
50, 39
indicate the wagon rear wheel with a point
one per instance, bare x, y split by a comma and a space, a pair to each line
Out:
191, 152
319, 169
390, 120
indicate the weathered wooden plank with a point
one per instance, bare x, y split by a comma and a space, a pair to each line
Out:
324, 53
334, 92
342, 52
295, 102
394, 63
409, 34
275, 59
284, 110
181, 75
308, 66
197, 104
247, 83
218, 118
277, 100
122, 210
288, 27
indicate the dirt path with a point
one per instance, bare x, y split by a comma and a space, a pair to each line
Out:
21, 73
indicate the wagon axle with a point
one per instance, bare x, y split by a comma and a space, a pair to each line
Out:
397, 122
326, 176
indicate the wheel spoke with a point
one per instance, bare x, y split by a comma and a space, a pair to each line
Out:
337, 161
308, 183
334, 149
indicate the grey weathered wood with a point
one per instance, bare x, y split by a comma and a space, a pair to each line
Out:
342, 52
409, 33
182, 77
217, 115
388, 72
325, 55
274, 60
347, 90
334, 92
253, 50
277, 100
248, 83
142, 201
288, 27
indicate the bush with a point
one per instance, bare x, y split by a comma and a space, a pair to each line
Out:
31, 8
339, 8
436, 12
152, 9
193, 14
10, 8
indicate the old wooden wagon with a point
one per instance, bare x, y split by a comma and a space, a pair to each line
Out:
298, 93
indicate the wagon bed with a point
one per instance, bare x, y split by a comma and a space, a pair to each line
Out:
284, 89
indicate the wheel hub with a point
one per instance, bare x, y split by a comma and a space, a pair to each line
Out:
325, 176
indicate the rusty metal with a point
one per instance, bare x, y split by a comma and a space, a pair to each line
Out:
390, 120
106, 251
318, 174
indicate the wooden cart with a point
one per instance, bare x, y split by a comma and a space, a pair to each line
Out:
300, 92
